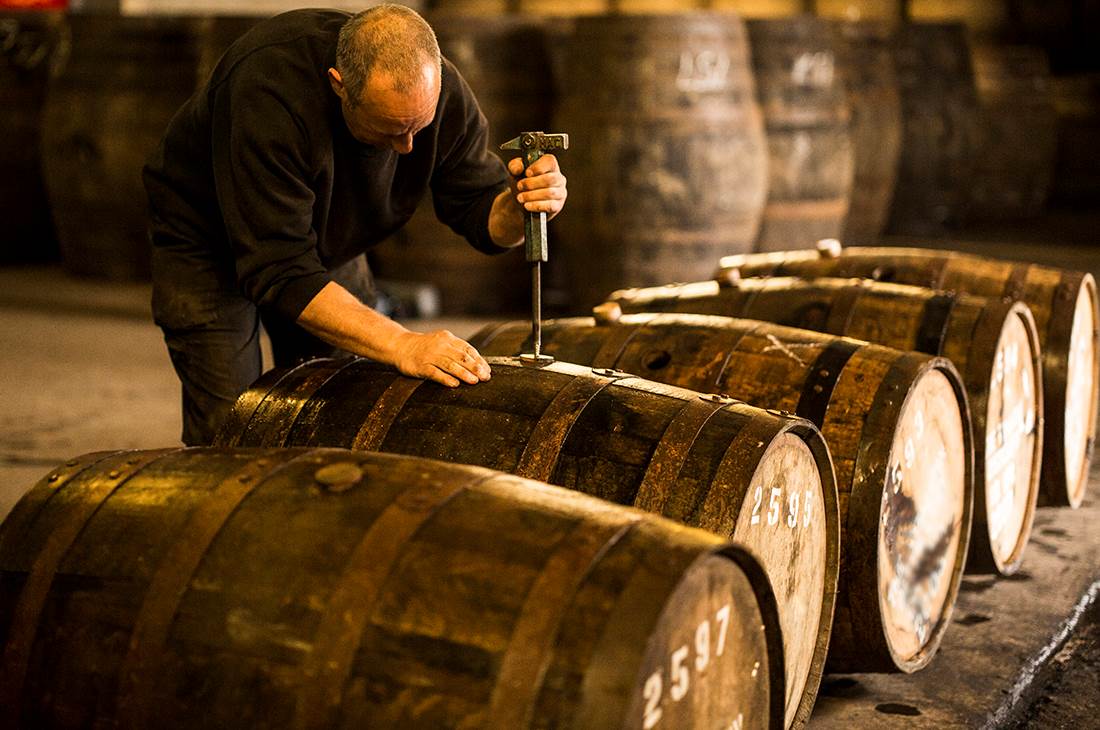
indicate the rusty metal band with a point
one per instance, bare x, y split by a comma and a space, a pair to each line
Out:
540, 456
94, 491
340, 628
933, 323
1016, 282
611, 349
530, 648
13, 529
385, 411
671, 453
173, 576
275, 431
841, 309
725, 495
236, 423
817, 391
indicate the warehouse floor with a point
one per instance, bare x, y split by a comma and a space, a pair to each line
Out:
85, 369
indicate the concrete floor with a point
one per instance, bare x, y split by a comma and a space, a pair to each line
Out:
85, 369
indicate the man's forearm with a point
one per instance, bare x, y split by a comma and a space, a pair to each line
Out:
336, 316
506, 221
341, 320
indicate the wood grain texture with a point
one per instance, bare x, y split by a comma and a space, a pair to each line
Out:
237, 588
610, 435
1063, 302
862, 396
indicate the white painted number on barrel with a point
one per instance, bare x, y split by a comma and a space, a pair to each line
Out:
702, 646
680, 663
653, 687
813, 69
775, 507
704, 70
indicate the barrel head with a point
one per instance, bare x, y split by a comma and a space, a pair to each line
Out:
1082, 392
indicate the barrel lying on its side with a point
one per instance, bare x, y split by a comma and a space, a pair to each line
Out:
322, 588
764, 478
992, 342
1065, 305
898, 429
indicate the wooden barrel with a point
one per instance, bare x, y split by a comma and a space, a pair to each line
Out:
759, 8
1017, 133
666, 143
28, 44
905, 520
866, 64
981, 18
992, 342
301, 588
506, 63
1065, 305
107, 109
763, 478
806, 117
939, 128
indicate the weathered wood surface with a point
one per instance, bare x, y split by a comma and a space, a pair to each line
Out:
764, 478
866, 65
667, 143
806, 124
1067, 317
898, 430
993, 343
939, 128
108, 106
307, 588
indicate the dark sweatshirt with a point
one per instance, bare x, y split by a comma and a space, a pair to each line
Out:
258, 180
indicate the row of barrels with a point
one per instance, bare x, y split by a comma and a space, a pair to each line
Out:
863, 476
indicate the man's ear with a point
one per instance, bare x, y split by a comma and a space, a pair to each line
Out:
337, 83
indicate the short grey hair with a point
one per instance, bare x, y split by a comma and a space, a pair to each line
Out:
390, 37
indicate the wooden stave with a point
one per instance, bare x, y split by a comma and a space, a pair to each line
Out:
873, 311
814, 204
857, 643
105, 111
661, 549
294, 407
1050, 293
939, 128
867, 64
702, 131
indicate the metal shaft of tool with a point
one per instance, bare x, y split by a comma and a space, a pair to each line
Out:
536, 307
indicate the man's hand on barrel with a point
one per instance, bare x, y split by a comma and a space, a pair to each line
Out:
542, 188
439, 356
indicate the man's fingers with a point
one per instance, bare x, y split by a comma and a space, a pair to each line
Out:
443, 377
515, 166
550, 180
543, 165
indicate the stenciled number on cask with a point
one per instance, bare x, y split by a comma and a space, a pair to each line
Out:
779, 510
813, 69
680, 667
1004, 440
706, 70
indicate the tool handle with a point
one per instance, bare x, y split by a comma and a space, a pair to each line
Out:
536, 247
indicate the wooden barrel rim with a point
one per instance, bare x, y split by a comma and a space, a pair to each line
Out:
864, 515
1000, 320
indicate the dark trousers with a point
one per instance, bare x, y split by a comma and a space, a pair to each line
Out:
213, 336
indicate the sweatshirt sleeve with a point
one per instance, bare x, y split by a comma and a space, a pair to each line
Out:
261, 159
467, 177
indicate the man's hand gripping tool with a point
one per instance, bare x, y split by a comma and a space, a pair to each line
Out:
533, 145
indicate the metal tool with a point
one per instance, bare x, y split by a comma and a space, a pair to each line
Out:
534, 145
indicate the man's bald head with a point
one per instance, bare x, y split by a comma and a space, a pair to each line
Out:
391, 39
